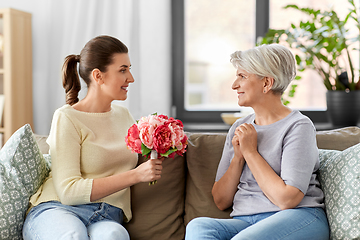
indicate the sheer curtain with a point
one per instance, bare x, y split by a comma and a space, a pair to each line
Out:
62, 27
72, 24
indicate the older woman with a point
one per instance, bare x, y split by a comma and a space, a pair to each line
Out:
267, 172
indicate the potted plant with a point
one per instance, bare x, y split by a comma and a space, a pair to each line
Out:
324, 43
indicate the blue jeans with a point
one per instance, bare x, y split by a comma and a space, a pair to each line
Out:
53, 220
299, 223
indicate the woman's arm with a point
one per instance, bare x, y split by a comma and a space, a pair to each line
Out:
282, 195
71, 186
224, 190
146, 172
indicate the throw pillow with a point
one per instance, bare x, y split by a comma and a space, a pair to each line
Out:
339, 178
22, 171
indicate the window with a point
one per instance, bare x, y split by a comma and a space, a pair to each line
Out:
311, 92
206, 32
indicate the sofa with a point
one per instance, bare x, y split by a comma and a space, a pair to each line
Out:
162, 211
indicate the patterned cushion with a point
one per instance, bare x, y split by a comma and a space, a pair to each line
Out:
22, 170
339, 177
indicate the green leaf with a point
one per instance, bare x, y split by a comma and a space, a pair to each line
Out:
298, 59
145, 150
170, 151
285, 102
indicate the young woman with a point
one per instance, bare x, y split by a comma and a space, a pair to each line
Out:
267, 172
87, 194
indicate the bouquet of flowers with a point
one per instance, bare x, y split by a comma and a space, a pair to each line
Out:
157, 136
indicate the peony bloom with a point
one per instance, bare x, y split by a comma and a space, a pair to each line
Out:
182, 150
132, 139
162, 139
177, 135
163, 116
146, 134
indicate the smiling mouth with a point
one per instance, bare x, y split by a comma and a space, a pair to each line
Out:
124, 88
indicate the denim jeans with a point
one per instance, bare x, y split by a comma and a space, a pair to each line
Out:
53, 220
299, 223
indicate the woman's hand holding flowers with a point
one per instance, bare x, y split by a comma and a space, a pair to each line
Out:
150, 170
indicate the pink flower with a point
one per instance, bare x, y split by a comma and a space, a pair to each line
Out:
157, 120
184, 143
146, 134
177, 131
157, 132
163, 116
132, 139
162, 139
147, 126
176, 122
172, 155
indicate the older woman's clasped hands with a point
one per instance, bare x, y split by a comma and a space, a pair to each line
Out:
245, 139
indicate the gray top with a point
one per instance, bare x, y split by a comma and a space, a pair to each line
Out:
289, 146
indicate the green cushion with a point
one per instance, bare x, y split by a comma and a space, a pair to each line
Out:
339, 177
22, 171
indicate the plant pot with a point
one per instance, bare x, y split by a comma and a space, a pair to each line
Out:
343, 108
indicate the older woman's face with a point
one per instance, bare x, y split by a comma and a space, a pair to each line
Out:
249, 88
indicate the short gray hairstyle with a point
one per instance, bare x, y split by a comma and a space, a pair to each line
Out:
268, 60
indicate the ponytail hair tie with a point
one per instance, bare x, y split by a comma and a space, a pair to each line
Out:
77, 58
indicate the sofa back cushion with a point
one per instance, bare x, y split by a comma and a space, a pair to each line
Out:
202, 159
41, 140
338, 139
158, 209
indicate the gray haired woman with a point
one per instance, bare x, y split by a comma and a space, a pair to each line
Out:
267, 172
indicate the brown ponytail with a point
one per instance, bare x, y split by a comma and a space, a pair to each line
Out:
70, 77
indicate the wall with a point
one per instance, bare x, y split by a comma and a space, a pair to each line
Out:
57, 26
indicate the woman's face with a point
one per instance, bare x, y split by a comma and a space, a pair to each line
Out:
248, 87
117, 77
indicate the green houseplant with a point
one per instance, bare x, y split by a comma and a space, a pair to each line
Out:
324, 43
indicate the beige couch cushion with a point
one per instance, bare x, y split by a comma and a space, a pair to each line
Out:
41, 140
158, 209
202, 158
338, 139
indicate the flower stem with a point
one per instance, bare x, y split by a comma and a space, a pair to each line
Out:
153, 155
